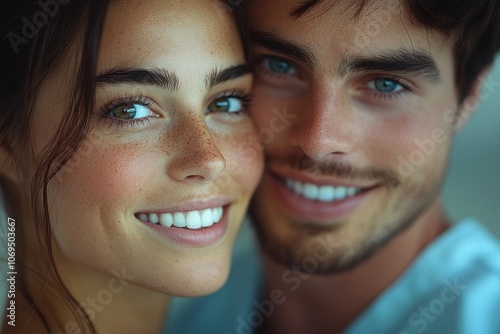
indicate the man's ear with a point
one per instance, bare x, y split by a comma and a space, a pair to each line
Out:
471, 101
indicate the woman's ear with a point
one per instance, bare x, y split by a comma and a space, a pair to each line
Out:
472, 100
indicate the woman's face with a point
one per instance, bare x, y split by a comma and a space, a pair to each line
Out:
165, 148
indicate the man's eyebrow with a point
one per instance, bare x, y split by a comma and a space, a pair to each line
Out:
150, 77
218, 76
274, 43
412, 62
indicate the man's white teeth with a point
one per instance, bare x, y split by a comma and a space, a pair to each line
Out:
321, 193
190, 219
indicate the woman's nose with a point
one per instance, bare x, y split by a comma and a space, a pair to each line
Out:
197, 156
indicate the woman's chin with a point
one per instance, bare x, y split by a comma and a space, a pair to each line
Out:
202, 284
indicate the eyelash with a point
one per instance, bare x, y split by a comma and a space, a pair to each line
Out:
105, 110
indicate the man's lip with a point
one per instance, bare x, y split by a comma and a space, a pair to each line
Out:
319, 180
192, 205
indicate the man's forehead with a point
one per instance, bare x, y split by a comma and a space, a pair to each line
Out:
375, 26
330, 20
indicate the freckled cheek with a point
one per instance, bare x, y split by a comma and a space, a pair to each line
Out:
109, 176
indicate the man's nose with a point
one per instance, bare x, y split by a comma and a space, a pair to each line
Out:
326, 126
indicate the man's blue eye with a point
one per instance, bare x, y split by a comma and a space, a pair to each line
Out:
385, 85
279, 65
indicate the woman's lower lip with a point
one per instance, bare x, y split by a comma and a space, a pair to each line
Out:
314, 211
197, 238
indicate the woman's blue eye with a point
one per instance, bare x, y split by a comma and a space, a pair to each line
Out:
385, 85
131, 111
279, 65
226, 104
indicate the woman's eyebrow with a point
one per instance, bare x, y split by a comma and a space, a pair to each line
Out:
218, 76
151, 77
166, 79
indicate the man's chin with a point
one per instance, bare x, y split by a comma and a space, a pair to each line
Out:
321, 250
320, 258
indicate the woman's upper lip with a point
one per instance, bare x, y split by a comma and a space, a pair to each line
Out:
320, 180
191, 205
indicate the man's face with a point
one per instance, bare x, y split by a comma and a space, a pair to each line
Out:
357, 115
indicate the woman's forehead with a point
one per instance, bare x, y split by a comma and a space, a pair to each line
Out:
159, 33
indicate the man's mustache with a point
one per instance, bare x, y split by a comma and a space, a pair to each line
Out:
337, 169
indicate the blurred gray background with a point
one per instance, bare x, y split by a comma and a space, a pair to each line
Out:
472, 188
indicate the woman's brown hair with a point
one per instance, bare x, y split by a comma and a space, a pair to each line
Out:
35, 39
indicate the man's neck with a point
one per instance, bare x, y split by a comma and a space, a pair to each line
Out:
329, 303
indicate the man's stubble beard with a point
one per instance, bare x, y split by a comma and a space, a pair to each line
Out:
298, 250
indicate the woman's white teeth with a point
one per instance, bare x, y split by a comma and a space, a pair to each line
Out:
154, 218
179, 219
321, 193
190, 219
167, 220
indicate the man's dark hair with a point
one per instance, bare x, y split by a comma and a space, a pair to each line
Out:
474, 25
